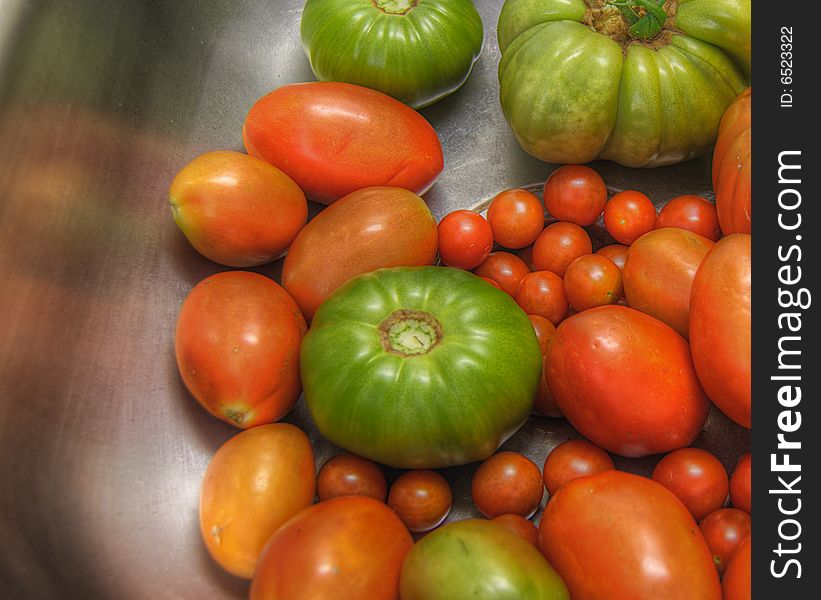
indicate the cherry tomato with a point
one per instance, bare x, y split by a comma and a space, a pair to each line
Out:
592, 280
573, 459
692, 213
491, 282
507, 482
526, 254
422, 499
544, 404
724, 529
575, 193
737, 583
522, 527
504, 268
544, 330
542, 293
697, 477
465, 239
559, 245
517, 218
615, 252
741, 484
351, 475
628, 216
342, 548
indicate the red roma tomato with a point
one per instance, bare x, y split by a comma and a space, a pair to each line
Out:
542, 293
720, 326
339, 242
732, 170
507, 483
237, 347
544, 404
741, 484
504, 268
335, 138
465, 239
255, 482
724, 529
659, 272
237, 210
522, 527
573, 459
351, 475
422, 499
575, 193
517, 218
619, 535
348, 547
615, 252
559, 245
592, 280
628, 216
692, 213
737, 583
625, 381
696, 477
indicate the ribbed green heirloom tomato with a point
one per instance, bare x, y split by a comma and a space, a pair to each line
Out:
583, 79
417, 51
481, 560
420, 367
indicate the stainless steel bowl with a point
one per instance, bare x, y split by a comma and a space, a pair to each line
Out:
102, 450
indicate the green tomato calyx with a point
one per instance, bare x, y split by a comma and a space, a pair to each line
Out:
395, 7
645, 18
410, 332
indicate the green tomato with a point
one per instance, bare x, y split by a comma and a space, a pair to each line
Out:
579, 82
417, 51
420, 367
481, 560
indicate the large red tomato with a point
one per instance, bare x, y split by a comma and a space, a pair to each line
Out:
342, 548
625, 380
619, 535
720, 326
237, 347
366, 230
732, 171
333, 138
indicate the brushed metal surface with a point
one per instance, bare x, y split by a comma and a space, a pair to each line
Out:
101, 448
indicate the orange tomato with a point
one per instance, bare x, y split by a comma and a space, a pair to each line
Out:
366, 230
255, 482
732, 170
237, 347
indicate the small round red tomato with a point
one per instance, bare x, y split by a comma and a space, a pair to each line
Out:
696, 477
573, 459
526, 254
615, 252
507, 482
544, 404
237, 346
542, 293
504, 268
741, 484
422, 499
465, 239
575, 193
724, 529
559, 245
737, 583
347, 547
522, 527
628, 216
692, 213
517, 218
351, 475
592, 280
544, 330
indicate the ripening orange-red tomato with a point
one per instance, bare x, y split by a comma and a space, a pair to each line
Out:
351, 475
559, 245
732, 170
237, 347
724, 529
516, 217
696, 477
692, 213
507, 482
506, 269
422, 499
592, 280
542, 293
255, 482
573, 459
629, 215
575, 193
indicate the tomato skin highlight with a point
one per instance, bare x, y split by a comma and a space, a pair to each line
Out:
335, 138
619, 535
237, 347
696, 477
465, 239
255, 482
575, 193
